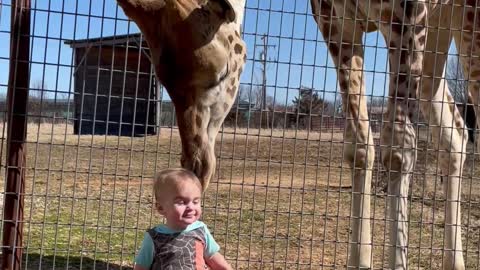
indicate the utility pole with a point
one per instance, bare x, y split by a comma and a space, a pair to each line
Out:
263, 58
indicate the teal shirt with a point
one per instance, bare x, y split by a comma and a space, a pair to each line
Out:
146, 254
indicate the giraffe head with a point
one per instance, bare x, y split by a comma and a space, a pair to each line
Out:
198, 54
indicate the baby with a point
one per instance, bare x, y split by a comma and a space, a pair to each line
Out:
183, 242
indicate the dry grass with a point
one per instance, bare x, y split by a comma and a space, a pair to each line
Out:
280, 200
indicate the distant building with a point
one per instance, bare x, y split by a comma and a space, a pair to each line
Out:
115, 87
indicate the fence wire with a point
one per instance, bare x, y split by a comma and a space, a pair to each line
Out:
100, 126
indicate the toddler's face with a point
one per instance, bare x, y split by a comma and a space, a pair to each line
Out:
182, 207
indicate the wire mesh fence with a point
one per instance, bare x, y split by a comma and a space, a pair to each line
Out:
100, 126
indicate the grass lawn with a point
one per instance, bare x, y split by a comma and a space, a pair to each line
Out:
279, 200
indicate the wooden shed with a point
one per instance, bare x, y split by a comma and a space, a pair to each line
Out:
115, 87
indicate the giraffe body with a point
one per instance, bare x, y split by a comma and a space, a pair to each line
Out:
418, 35
198, 56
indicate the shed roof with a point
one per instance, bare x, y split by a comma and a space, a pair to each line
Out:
133, 41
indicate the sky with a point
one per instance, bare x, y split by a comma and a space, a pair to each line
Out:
298, 55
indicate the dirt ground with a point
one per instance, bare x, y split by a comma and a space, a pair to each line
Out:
279, 200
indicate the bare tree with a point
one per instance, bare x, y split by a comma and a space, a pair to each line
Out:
377, 101
3, 105
337, 105
64, 96
254, 95
37, 97
257, 95
244, 92
270, 102
328, 108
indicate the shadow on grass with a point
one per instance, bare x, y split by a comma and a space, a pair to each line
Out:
34, 261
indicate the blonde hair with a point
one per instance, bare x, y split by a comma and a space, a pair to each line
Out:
171, 177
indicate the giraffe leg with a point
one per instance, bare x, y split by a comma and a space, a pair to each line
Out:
468, 46
472, 71
453, 139
448, 133
344, 43
406, 43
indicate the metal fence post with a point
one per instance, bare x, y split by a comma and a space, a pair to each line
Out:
17, 98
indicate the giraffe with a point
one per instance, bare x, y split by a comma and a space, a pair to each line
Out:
418, 34
198, 56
